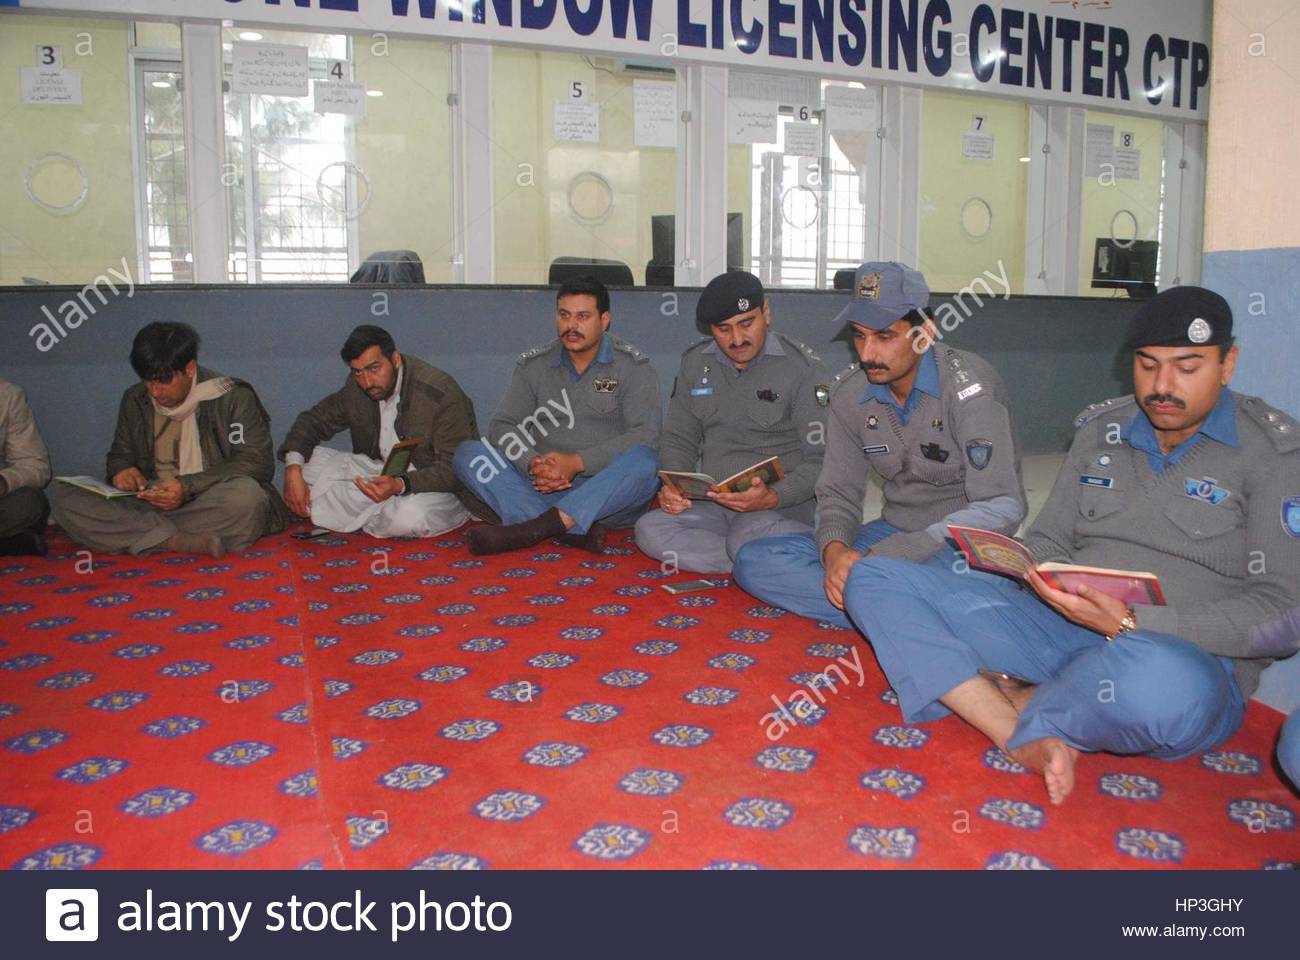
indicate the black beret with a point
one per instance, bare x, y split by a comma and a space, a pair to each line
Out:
728, 295
1181, 317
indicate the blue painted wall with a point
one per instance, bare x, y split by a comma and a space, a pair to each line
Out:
1057, 355
1263, 289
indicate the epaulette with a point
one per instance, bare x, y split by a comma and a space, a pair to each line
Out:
1281, 428
634, 352
843, 375
534, 352
703, 341
1095, 410
802, 349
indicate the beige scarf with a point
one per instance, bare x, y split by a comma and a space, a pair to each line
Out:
191, 452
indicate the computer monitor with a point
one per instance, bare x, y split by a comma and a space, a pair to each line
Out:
1130, 267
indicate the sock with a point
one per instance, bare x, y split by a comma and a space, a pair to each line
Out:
516, 536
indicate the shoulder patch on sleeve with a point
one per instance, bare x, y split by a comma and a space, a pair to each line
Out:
1281, 428
533, 352
805, 352
1095, 410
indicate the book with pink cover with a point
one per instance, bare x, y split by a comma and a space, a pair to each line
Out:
996, 553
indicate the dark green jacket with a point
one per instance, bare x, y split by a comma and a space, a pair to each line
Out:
432, 408
234, 432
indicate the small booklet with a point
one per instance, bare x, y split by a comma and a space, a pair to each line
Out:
91, 485
696, 486
999, 554
399, 458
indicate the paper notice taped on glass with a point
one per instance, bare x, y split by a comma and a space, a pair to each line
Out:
977, 146
50, 85
1128, 163
802, 139
751, 121
654, 113
576, 122
1098, 149
347, 97
850, 109
270, 69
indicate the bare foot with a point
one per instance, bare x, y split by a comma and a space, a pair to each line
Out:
1054, 759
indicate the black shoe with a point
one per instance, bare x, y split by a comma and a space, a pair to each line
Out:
593, 540
26, 544
516, 536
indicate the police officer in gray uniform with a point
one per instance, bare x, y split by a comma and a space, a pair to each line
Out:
572, 444
1187, 480
932, 421
743, 394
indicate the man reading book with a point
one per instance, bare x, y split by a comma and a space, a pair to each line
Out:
743, 394
932, 421
195, 449
1185, 479
387, 399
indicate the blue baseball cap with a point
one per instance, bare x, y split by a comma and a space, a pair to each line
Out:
883, 293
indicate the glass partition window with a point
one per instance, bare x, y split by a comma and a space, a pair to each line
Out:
1122, 205
801, 199
163, 208
974, 176
359, 165
67, 210
584, 167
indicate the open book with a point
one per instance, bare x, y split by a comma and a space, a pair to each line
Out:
399, 458
994, 552
91, 485
696, 486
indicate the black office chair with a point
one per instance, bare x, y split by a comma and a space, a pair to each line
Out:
843, 280
390, 266
612, 273
658, 274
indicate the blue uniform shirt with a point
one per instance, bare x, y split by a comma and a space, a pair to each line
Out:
603, 355
927, 381
1220, 425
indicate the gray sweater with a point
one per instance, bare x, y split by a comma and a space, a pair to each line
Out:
1229, 568
612, 407
728, 420
956, 460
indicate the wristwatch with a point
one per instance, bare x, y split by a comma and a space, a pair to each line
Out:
1125, 625
406, 486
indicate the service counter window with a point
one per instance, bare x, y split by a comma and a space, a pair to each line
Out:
336, 149
973, 180
69, 210
584, 153
1122, 205
802, 177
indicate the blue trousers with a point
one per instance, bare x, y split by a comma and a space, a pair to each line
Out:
616, 496
1145, 693
1288, 748
787, 571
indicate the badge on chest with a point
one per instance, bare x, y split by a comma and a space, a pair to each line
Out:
1207, 490
606, 384
932, 451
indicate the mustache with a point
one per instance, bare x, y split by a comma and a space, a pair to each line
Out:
875, 366
1168, 398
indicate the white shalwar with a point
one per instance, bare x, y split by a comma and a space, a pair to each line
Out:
337, 503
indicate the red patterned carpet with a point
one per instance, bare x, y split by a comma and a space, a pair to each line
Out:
361, 703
